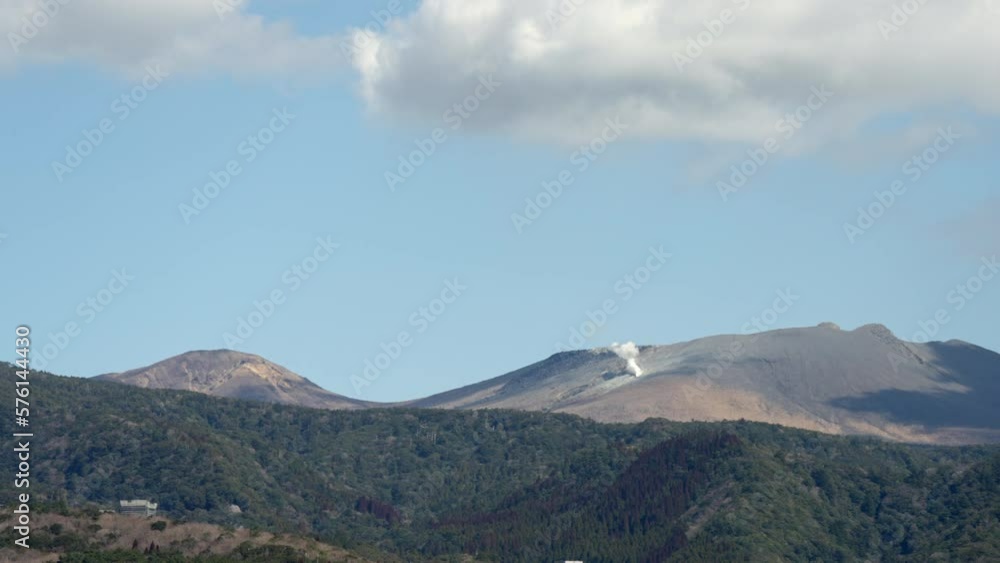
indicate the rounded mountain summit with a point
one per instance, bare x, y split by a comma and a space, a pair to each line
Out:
225, 373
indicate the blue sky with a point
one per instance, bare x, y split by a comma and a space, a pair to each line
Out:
324, 177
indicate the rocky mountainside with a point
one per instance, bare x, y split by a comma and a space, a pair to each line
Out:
864, 381
224, 373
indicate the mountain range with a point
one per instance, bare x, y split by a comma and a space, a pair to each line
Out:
864, 381
254, 481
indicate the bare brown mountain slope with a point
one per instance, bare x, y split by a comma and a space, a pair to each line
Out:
224, 373
865, 381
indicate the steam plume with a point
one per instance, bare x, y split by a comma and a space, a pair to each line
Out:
630, 353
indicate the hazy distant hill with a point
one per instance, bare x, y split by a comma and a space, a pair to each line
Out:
224, 373
864, 381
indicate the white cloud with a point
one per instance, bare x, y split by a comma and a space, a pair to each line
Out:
187, 35
616, 57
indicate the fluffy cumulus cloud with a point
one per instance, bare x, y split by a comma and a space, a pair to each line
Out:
186, 35
712, 70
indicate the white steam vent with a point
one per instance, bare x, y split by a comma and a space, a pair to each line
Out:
630, 353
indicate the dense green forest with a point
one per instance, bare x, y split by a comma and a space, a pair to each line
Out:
508, 486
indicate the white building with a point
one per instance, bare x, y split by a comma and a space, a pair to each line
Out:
137, 507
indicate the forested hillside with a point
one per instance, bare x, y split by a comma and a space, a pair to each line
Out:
499, 485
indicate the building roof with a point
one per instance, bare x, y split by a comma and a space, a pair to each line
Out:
137, 504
